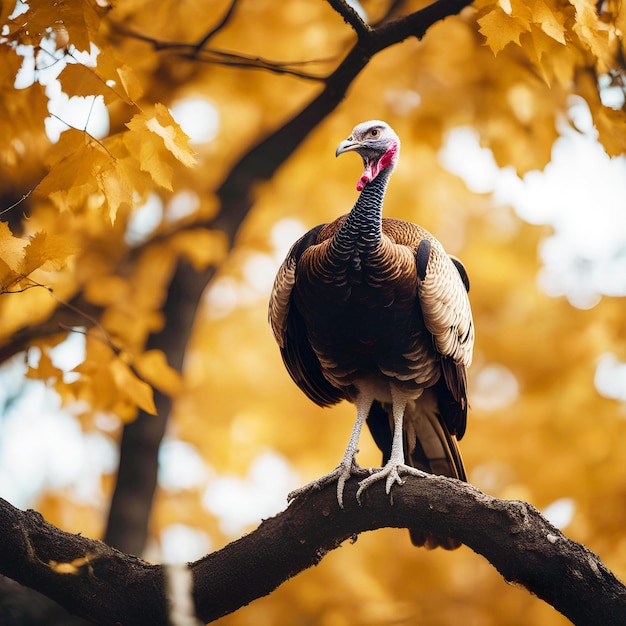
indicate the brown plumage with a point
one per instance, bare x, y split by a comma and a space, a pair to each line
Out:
372, 310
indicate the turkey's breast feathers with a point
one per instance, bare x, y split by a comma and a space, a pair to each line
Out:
394, 312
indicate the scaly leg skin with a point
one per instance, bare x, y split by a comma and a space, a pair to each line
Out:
395, 465
341, 473
348, 465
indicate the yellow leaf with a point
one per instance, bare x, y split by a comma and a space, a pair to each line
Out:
151, 138
9, 60
149, 151
84, 175
106, 290
47, 251
202, 247
76, 18
550, 23
80, 20
116, 187
40, 17
500, 29
131, 387
606, 121
79, 80
593, 33
133, 88
11, 248
45, 369
175, 140
153, 367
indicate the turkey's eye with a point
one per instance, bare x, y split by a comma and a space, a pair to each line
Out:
374, 132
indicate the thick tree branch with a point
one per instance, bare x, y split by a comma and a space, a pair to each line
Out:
109, 587
350, 16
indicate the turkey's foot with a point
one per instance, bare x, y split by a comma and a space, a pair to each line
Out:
391, 473
340, 474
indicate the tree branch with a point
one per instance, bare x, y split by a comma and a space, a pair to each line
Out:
218, 27
351, 17
108, 586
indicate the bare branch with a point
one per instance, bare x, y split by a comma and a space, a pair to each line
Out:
194, 52
243, 61
416, 24
218, 27
352, 18
93, 580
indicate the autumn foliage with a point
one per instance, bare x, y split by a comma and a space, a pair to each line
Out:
106, 224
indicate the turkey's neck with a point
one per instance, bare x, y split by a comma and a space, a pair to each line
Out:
363, 226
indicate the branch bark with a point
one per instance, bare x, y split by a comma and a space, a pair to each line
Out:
109, 587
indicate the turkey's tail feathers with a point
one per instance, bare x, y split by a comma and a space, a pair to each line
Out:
428, 446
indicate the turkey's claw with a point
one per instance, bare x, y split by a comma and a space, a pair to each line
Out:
391, 472
341, 474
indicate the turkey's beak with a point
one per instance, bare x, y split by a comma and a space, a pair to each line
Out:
347, 145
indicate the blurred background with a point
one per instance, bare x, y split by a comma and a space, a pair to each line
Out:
512, 125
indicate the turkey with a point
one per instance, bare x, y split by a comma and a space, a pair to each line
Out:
372, 310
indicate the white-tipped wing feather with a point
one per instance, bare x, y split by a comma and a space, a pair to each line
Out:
280, 297
445, 306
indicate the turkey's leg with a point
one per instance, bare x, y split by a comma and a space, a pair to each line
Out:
348, 464
396, 462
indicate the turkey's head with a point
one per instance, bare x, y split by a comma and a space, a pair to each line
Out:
377, 144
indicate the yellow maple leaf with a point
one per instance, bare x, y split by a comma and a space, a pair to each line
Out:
129, 81
551, 24
80, 19
606, 120
500, 29
48, 251
88, 175
593, 33
80, 80
152, 137
132, 387
107, 290
175, 140
153, 367
11, 260
11, 248
45, 369
116, 187
149, 152
202, 247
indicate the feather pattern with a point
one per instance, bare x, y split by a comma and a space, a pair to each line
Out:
373, 310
